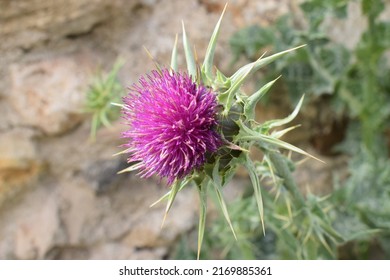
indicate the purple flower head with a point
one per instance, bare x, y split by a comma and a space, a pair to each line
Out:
172, 121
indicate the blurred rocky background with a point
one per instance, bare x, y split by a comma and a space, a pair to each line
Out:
60, 196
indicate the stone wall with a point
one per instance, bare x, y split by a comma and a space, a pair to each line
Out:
60, 196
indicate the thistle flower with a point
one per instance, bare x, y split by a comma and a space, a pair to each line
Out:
172, 124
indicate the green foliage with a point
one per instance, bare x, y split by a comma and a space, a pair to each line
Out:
363, 208
251, 243
364, 87
358, 210
372, 9
356, 79
104, 90
315, 69
294, 229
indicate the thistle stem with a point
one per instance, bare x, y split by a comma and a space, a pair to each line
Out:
284, 172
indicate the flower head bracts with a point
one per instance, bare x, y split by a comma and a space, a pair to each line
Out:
172, 122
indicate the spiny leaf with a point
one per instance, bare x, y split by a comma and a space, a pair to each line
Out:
217, 186
221, 83
104, 89
285, 145
261, 62
94, 126
320, 237
280, 133
271, 168
227, 97
202, 189
254, 98
191, 65
256, 187
329, 231
174, 190
209, 56
247, 134
165, 196
288, 205
245, 70
275, 123
363, 233
111, 79
308, 234
103, 119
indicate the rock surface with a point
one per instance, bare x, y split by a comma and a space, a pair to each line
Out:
44, 96
19, 161
60, 196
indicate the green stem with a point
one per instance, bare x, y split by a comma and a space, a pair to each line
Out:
372, 96
282, 169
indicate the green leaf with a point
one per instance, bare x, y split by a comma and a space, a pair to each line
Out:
330, 231
275, 123
227, 97
247, 134
381, 37
250, 105
280, 133
103, 119
202, 190
172, 195
241, 74
94, 125
371, 8
104, 89
218, 186
256, 187
174, 56
364, 234
285, 145
271, 168
209, 56
191, 65
261, 62
318, 233
112, 76
182, 183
